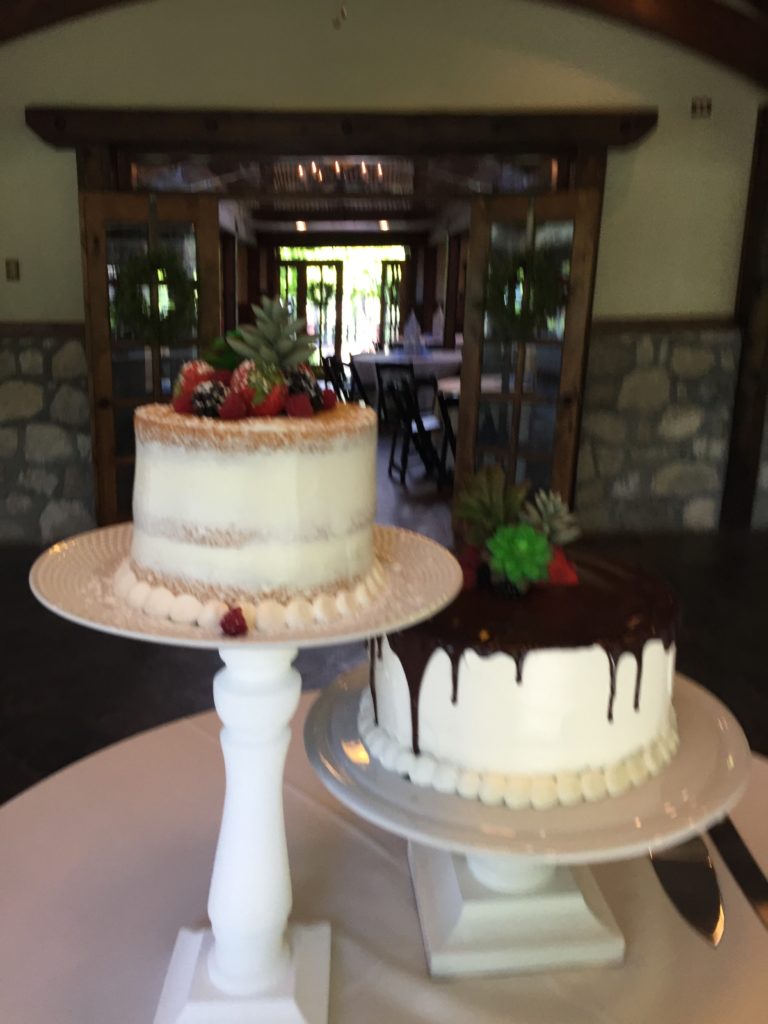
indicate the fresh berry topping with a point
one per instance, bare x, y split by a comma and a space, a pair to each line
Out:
191, 374
273, 404
470, 560
208, 397
183, 403
329, 399
302, 382
223, 376
233, 622
234, 407
240, 375
299, 405
560, 570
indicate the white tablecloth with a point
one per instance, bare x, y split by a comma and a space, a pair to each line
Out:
440, 363
101, 864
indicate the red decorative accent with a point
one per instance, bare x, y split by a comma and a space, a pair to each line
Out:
239, 379
191, 374
470, 560
224, 376
329, 399
233, 622
183, 403
273, 404
560, 571
299, 406
234, 407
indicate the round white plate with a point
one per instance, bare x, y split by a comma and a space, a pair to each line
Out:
74, 580
698, 787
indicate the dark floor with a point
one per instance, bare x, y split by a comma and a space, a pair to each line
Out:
67, 691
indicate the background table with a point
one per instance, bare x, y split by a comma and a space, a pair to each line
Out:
126, 838
435, 363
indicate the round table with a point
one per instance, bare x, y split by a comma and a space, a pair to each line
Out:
101, 862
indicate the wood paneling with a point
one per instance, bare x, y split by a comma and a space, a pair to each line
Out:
41, 329
298, 133
751, 398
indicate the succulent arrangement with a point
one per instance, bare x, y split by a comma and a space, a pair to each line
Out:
259, 369
513, 538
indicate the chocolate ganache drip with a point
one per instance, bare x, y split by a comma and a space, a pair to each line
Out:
616, 607
374, 653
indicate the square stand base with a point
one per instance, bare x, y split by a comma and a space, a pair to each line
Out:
470, 929
189, 997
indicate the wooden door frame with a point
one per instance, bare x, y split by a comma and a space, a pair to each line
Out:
583, 206
301, 298
96, 210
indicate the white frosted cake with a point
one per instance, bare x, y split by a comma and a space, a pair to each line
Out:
270, 515
561, 695
261, 507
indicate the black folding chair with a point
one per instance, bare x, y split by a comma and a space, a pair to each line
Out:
412, 428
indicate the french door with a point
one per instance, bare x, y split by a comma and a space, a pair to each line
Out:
314, 291
127, 369
392, 275
530, 276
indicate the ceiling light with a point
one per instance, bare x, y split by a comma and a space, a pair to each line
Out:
380, 170
301, 171
337, 166
314, 167
363, 169
384, 225
319, 175
301, 225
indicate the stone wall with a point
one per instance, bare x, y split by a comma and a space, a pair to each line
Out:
46, 478
655, 429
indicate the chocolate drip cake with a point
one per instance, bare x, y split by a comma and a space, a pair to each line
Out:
560, 695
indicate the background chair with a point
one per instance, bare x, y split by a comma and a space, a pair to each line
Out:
412, 428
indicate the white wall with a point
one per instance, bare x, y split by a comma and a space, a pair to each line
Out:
674, 204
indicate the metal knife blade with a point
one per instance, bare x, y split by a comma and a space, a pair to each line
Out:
687, 875
746, 871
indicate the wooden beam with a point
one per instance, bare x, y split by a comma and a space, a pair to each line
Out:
727, 34
751, 396
20, 17
267, 133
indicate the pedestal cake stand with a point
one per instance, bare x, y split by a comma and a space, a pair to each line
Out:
503, 891
249, 965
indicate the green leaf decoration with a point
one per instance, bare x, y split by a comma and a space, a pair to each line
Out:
520, 553
488, 502
275, 339
548, 513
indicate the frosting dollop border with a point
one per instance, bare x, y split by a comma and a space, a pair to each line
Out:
518, 792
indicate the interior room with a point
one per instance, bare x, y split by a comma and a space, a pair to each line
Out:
518, 252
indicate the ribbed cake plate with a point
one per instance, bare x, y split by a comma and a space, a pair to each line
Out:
502, 891
250, 965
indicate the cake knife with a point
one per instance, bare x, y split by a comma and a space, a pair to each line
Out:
746, 871
687, 875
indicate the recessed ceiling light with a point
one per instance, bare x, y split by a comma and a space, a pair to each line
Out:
301, 225
301, 171
384, 225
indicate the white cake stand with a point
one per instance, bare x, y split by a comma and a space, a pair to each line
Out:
249, 965
504, 891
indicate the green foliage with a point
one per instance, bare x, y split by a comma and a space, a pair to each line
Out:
520, 553
548, 513
276, 339
489, 502
172, 316
523, 291
220, 355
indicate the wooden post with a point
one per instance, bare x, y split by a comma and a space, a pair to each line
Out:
451, 292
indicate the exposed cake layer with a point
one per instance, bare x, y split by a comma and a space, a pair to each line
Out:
254, 507
563, 680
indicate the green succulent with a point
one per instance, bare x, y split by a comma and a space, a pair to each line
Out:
520, 553
548, 513
276, 339
488, 502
